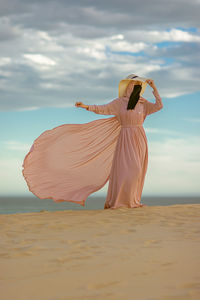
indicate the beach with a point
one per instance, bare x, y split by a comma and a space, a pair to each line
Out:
151, 252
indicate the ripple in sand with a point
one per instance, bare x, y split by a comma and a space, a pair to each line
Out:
74, 242
152, 242
102, 285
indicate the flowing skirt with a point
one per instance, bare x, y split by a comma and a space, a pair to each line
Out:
71, 161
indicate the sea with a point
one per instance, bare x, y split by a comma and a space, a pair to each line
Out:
29, 204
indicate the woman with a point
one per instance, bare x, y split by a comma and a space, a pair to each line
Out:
131, 153
72, 161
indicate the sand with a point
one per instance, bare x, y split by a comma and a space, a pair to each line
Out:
143, 253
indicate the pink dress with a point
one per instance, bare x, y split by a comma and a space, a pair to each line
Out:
130, 159
72, 161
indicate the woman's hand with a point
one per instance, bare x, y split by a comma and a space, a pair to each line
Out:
151, 83
80, 104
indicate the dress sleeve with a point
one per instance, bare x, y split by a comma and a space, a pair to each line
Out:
150, 107
105, 109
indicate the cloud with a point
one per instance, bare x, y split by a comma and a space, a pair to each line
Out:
111, 14
48, 47
176, 35
192, 120
39, 61
156, 130
7, 30
15, 145
174, 166
158, 36
11, 176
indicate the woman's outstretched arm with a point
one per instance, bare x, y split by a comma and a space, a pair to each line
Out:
105, 109
153, 107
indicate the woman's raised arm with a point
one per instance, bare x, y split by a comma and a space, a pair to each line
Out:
150, 107
104, 109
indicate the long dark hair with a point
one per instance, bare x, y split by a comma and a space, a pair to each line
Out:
134, 97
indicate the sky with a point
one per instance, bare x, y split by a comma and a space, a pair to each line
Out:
54, 53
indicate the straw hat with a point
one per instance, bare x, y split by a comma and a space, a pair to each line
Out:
132, 77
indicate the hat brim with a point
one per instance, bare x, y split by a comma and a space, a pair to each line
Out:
124, 83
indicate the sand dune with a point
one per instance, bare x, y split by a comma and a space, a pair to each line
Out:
142, 253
